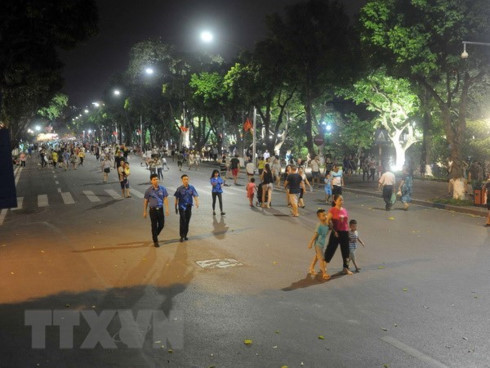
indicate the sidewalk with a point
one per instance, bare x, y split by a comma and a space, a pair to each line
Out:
424, 192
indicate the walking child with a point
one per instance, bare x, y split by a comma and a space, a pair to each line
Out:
353, 240
319, 239
251, 189
328, 186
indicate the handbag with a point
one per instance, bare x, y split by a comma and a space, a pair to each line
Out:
393, 198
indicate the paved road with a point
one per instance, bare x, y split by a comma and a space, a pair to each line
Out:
421, 299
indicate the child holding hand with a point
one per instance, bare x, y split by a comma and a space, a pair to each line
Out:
251, 189
353, 240
319, 239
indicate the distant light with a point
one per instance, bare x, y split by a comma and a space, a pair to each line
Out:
96, 104
38, 128
329, 128
86, 111
207, 36
117, 92
89, 131
149, 71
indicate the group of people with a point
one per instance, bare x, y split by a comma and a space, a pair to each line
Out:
156, 198
63, 156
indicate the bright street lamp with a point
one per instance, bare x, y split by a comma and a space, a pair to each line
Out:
38, 128
117, 92
207, 36
149, 71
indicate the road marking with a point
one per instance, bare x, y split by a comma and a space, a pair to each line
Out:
55, 176
91, 196
136, 193
42, 200
56, 182
413, 352
59, 190
113, 193
20, 200
67, 198
17, 176
219, 263
3, 213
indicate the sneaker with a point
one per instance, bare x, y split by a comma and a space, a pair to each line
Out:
347, 271
181, 240
185, 238
223, 213
156, 245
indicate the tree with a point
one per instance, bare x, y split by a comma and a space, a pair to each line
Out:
421, 40
30, 69
319, 51
395, 104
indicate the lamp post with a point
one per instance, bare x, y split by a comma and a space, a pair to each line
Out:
464, 54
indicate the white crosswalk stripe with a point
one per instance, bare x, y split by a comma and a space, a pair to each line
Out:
20, 200
42, 200
67, 198
91, 196
113, 193
135, 193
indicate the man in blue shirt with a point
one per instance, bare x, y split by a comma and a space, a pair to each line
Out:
183, 204
156, 196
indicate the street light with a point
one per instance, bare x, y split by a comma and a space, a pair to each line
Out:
149, 71
207, 36
464, 54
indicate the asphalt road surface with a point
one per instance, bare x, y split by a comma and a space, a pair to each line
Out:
82, 285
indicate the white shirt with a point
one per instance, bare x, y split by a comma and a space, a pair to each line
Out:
314, 166
388, 178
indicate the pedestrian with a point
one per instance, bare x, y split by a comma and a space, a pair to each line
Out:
66, 158
353, 240
405, 188
486, 191
260, 165
338, 221
294, 183
337, 180
235, 168
387, 182
319, 239
267, 186
81, 155
276, 170
287, 171
180, 160
127, 172
121, 172
315, 170
22, 158
328, 186
164, 164
184, 196
301, 202
217, 191
251, 189
250, 169
159, 166
156, 197
372, 168
73, 160
106, 167
152, 164
54, 155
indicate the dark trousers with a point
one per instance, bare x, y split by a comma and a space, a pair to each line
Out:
185, 218
333, 242
220, 200
160, 173
387, 192
372, 172
336, 190
157, 222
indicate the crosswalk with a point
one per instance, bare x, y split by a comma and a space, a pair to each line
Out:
89, 196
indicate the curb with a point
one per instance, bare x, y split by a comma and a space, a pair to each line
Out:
447, 207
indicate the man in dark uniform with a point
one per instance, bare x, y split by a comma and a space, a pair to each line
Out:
183, 205
156, 196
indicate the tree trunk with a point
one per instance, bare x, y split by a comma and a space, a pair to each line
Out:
308, 124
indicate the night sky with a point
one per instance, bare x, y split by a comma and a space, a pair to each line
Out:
122, 23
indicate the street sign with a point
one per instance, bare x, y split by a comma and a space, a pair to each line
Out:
381, 136
318, 140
